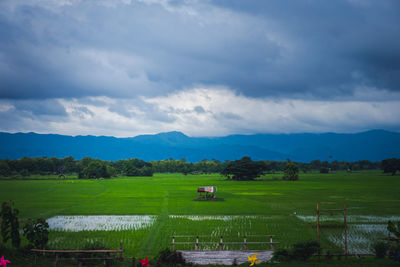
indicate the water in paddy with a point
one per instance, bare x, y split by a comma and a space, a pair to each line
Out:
362, 231
100, 223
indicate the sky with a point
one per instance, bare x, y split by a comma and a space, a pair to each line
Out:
205, 68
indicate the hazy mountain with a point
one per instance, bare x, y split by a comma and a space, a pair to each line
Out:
372, 145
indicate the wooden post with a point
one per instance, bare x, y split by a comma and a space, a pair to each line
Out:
318, 238
345, 230
221, 245
120, 254
35, 259
173, 243
133, 261
270, 241
196, 247
245, 243
106, 261
55, 260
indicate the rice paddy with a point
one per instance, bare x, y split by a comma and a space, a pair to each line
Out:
145, 212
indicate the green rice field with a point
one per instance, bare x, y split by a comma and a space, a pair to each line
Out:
145, 212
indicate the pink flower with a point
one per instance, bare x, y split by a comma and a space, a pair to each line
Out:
145, 262
4, 262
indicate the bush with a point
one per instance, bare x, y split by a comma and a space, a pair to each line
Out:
10, 224
281, 255
37, 233
168, 257
304, 250
394, 251
300, 251
380, 249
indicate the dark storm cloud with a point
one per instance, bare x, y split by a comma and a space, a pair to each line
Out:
48, 107
259, 48
339, 44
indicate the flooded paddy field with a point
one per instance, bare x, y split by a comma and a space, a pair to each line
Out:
144, 212
133, 230
100, 223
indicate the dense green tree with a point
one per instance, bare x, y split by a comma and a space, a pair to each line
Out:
45, 165
96, 169
391, 165
28, 164
291, 171
244, 169
137, 167
4, 168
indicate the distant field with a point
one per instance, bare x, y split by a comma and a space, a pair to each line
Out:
283, 208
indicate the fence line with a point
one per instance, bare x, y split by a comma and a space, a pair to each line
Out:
221, 242
57, 252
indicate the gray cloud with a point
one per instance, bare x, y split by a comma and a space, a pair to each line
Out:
70, 60
259, 48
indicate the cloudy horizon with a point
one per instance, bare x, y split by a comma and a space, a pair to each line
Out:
204, 68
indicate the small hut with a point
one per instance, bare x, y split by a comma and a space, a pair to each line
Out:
206, 192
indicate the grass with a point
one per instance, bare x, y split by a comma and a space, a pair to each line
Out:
275, 204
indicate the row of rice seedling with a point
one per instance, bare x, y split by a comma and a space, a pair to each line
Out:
285, 229
132, 240
362, 230
100, 223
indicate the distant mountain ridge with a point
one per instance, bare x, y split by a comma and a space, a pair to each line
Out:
372, 145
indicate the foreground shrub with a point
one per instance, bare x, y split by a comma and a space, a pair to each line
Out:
37, 233
300, 251
168, 257
281, 255
394, 251
304, 250
380, 249
10, 224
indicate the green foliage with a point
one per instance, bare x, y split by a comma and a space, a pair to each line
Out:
291, 172
281, 255
304, 250
136, 167
390, 165
167, 257
37, 233
10, 224
380, 249
394, 228
4, 168
52, 166
324, 170
96, 169
244, 169
300, 251
394, 251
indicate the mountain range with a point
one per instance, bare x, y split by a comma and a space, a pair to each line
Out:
372, 145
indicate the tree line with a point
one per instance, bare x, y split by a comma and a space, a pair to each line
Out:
95, 168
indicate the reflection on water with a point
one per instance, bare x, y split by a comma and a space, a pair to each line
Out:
100, 223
